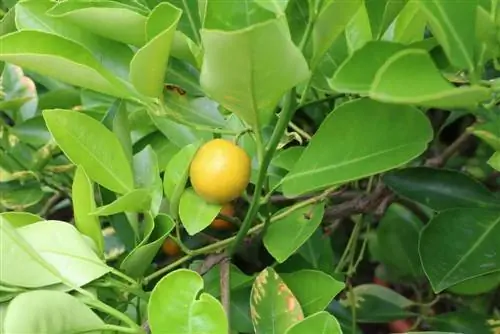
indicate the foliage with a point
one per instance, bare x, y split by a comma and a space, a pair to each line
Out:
372, 127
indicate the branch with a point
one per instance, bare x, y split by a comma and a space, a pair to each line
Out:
441, 159
225, 287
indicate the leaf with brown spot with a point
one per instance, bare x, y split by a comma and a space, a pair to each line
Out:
273, 306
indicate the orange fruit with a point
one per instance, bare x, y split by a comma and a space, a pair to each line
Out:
220, 171
221, 224
400, 326
170, 247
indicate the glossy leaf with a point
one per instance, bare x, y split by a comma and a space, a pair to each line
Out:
114, 56
176, 176
358, 31
409, 26
317, 250
378, 304
18, 195
109, 19
477, 285
195, 213
284, 236
147, 175
356, 140
137, 200
61, 59
189, 23
103, 160
478, 231
245, 72
237, 278
18, 219
313, 289
320, 323
382, 13
324, 32
398, 232
454, 26
232, 16
45, 311
440, 189
149, 64
175, 308
387, 77
273, 306
83, 204
181, 135
139, 259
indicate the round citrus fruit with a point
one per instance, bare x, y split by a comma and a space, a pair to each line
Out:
170, 247
220, 171
221, 224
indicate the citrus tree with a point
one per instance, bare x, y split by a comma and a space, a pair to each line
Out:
253, 166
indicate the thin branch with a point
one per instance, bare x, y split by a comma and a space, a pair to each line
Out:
225, 286
441, 159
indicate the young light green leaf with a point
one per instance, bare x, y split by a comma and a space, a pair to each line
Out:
454, 25
147, 175
83, 205
273, 306
440, 189
195, 213
447, 262
115, 56
313, 289
174, 306
148, 67
324, 32
245, 72
381, 78
18, 219
284, 236
409, 26
398, 232
45, 311
319, 323
276, 6
189, 23
137, 200
88, 143
61, 59
140, 258
232, 15
110, 19
176, 176
346, 149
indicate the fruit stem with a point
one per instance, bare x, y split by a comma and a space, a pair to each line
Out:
284, 118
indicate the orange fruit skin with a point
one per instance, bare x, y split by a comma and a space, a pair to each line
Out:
221, 224
170, 248
400, 326
220, 171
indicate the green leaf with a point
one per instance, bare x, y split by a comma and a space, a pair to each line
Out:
319, 323
284, 236
387, 77
454, 25
148, 67
139, 259
195, 213
317, 250
462, 321
440, 189
109, 19
46, 252
32, 15
181, 135
137, 200
241, 321
237, 280
189, 23
18, 219
50, 312
358, 31
176, 175
409, 26
83, 204
237, 65
147, 175
382, 13
233, 15
175, 308
378, 304
276, 6
324, 32
273, 306
61, 59
447, 262
20, 101
19, 195
494, 161
348, 145
477, 285
88, 143
398, 232
313, 289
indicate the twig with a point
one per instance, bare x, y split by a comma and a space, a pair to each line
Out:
225, 286
49, 204
441, 159
211, 261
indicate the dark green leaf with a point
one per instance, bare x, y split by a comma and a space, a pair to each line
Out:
382, 13
440, 189
237, 277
